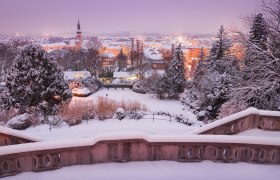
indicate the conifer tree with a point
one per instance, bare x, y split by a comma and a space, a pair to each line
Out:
35, 82
173, 82
199, 71
259, 32
122, 60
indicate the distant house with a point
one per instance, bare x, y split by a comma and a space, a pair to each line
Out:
54, 46
76, 75
154, 57
108, 62
126, 76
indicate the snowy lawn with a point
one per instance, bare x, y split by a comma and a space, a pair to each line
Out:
151, 101
94, 127
162, 170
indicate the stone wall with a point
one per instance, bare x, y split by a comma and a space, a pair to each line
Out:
11, 140
137, 150
253, 121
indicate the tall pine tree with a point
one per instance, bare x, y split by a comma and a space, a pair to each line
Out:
173, 82
213, 79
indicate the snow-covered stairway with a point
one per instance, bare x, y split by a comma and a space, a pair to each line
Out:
250, 118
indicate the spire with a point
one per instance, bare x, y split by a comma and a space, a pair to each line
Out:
79, 27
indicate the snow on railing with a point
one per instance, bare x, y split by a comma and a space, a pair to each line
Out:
81, 142
233, 117
16, 133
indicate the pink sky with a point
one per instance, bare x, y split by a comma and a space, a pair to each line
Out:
48, 16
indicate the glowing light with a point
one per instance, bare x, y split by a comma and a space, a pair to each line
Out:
17, 34
132, 78
180, 38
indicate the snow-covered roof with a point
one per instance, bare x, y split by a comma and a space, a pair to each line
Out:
122, 75
110, 46
153, 54
72, 42
16, 133
108, 54
148, 43
74, 75
152, 72
54, 44
80, 142
234, 117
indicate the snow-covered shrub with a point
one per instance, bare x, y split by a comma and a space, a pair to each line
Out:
179, 118
129, 106
163, 113
138, 87
74, 113
133, 109
135, 114
20, 122
55, 121
81, 92
105, 108
120, 113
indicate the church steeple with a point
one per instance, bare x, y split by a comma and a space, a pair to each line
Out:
79, 27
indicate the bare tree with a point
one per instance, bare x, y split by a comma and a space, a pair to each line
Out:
7, 55
92, 61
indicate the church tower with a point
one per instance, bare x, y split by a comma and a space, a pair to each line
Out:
79, 37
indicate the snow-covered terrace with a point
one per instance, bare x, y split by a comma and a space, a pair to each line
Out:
234, 117
20, 134
80, 142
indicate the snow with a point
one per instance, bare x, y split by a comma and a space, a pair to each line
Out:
153, 54
109, 55
122, 75
95, 127
20, 134
2, 83
81, 91
80, 142
234, 117
54, 44
163, 170
18, 119
75, 75
150, 100
259, 132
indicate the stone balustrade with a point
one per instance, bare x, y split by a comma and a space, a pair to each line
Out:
137, 150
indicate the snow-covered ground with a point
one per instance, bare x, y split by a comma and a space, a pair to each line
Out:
150, 100
95, 127
162, 170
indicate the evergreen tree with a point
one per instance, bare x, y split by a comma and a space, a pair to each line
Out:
259, 32
199, 71
173, 82
221, 47
36, 82
122, 60
213, 79
259, 83
257, 41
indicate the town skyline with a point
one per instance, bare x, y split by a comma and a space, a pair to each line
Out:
202, 16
